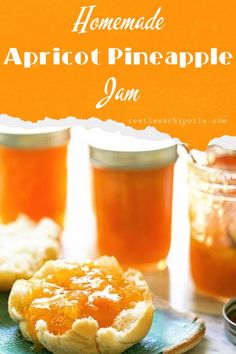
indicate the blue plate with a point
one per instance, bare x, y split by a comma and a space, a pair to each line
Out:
172, 332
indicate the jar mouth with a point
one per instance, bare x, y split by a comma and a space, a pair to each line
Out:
230, 325
133, 160
211, 169
212, 155
213, 173
228, 307
35, 138
114, 150
212, 180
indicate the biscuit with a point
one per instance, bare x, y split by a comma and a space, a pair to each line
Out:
24, 247
85, 335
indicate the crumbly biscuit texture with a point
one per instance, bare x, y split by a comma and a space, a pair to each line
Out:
85, 336
24, 247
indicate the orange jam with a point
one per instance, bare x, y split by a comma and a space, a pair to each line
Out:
74, 292
213, 269
213, 227
132, 196
133, 210
33, 182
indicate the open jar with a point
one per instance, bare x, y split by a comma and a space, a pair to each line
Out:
33, 173
213, 225
132, 193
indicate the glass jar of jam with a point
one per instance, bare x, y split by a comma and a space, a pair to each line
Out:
213, 224
132, 193
33, 173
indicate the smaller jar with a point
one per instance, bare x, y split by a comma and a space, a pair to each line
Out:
132, 193
213, 225
33, 173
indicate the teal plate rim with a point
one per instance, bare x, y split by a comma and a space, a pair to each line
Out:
172, 332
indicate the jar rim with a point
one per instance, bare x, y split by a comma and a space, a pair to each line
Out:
34, 138
212, 180
210, 170
133, 160
231, 303
116, 151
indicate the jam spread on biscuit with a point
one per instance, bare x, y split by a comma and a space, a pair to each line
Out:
76, 292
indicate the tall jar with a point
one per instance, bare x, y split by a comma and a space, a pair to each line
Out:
132, 193
213, 226
33, 173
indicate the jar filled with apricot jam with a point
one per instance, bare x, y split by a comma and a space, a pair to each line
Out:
33, 173
213, 225
132, 194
